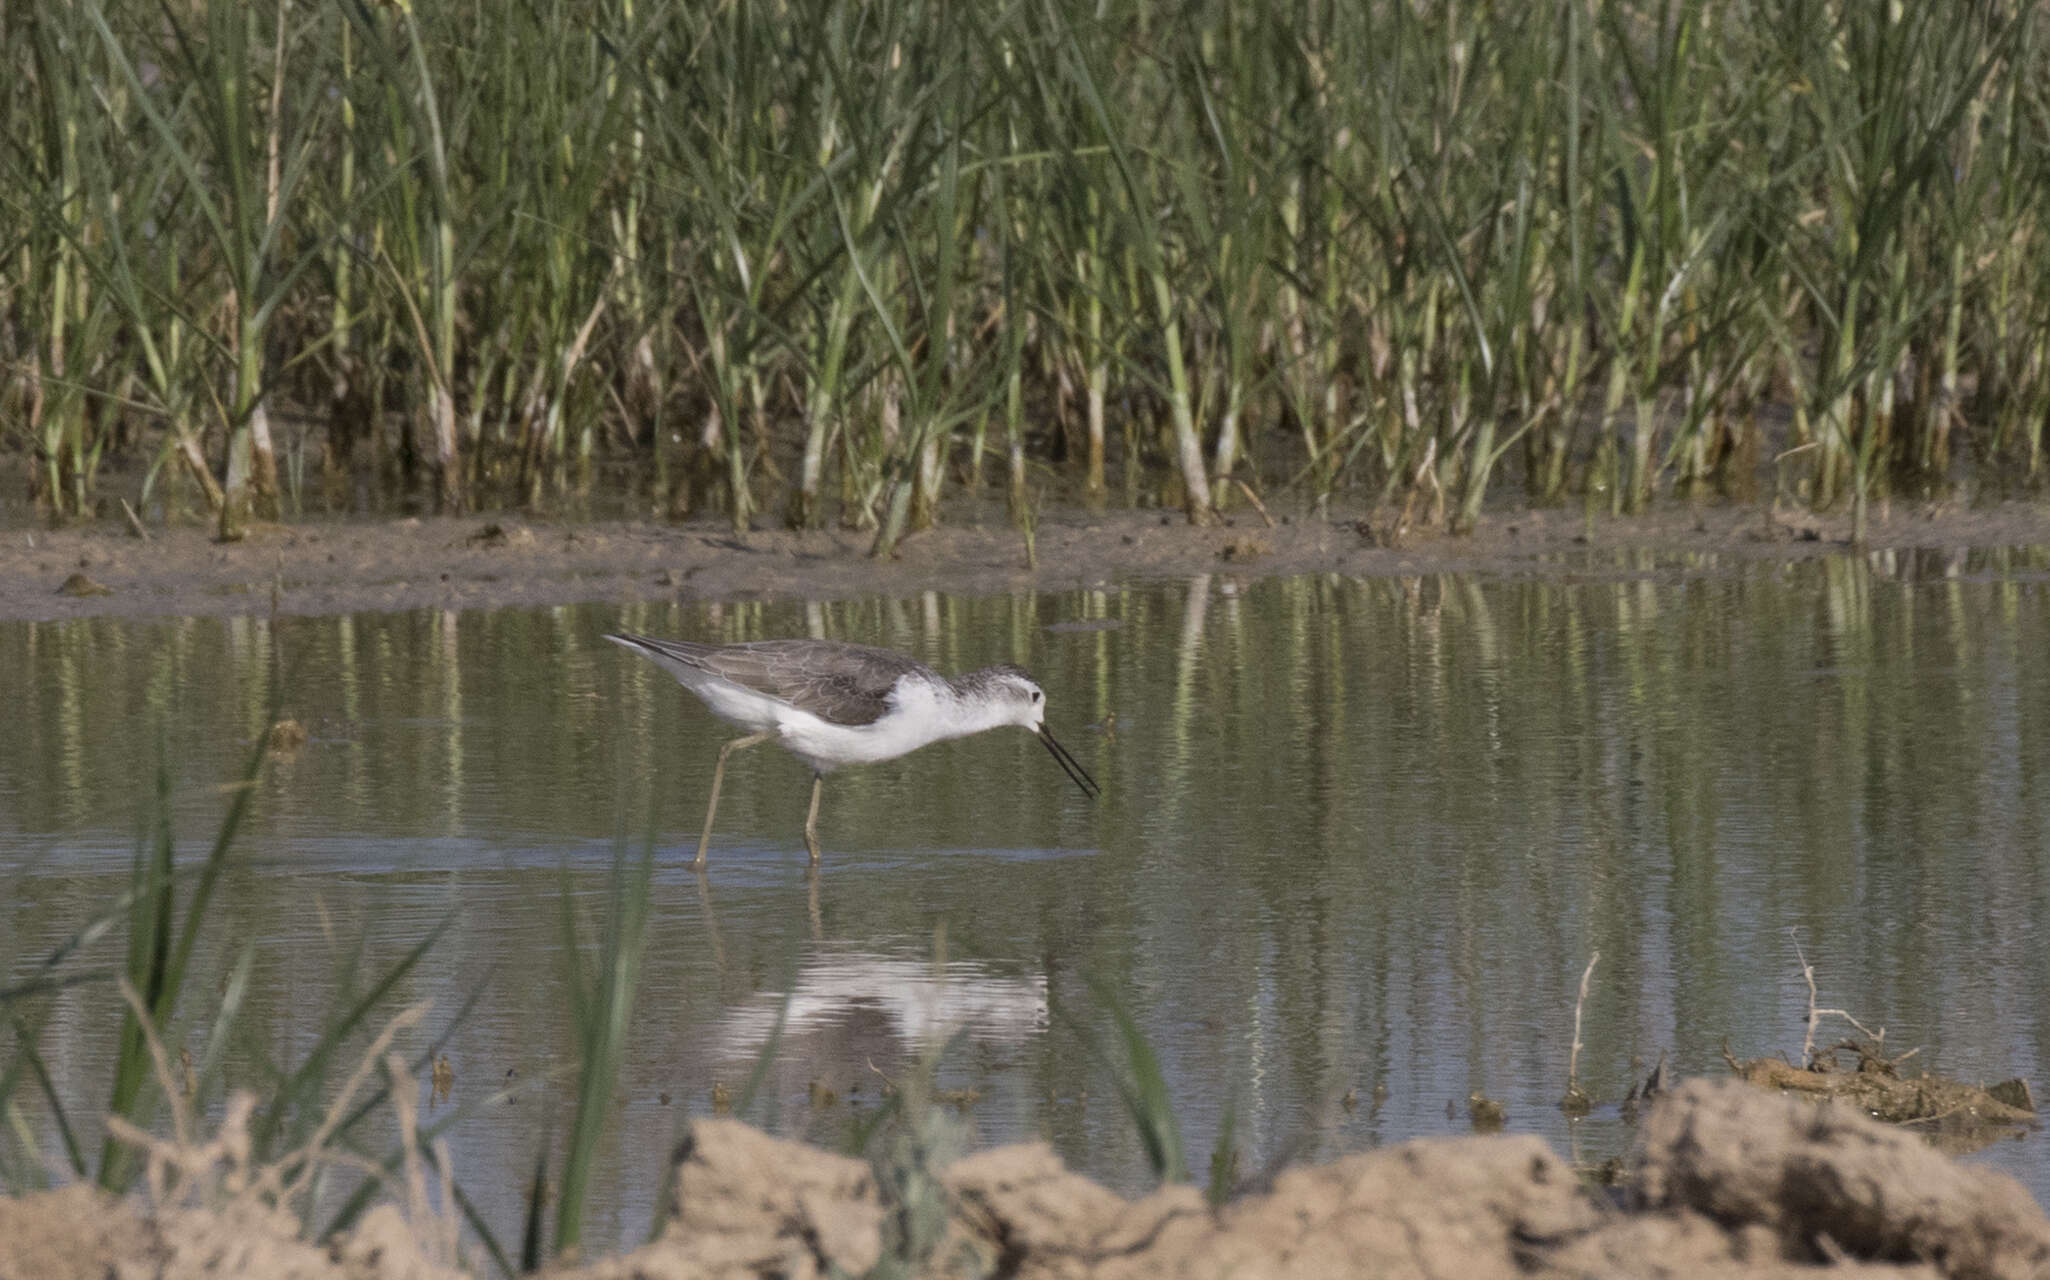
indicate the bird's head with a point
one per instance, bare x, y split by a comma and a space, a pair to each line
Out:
1019, 695
1014, 689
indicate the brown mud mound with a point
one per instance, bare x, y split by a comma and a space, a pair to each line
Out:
1728, 1182
1827, 1179
82, 1233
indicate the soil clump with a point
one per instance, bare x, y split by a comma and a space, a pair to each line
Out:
1726, 1181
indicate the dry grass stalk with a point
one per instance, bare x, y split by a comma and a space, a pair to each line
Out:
219, 1173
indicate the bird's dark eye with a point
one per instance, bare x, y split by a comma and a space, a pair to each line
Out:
1037, 695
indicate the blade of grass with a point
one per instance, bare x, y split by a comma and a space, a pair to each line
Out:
1135, 1072
602, 1013
532, 1244
288, 1112
32, 1058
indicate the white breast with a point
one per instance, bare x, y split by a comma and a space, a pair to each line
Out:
920, 714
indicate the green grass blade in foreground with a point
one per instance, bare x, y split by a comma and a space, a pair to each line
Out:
31, 1058
46, 986
156, 963
233, 992
82, 937
907, 1142
602, 1013
423, 1066
152, 901
298, 1093
47, 978
1224, 1159
1135, 1071
537, 1207
18, 1178
473, 1217
210, 870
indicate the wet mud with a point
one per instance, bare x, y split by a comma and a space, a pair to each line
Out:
325, 567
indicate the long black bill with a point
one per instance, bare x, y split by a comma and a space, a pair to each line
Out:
1070, 765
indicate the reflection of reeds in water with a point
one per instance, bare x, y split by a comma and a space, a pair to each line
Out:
1405, 809
393, 703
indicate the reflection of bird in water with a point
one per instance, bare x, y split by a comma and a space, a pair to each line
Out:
850, 1010
831, 704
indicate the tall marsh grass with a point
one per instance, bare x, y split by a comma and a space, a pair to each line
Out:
827, 262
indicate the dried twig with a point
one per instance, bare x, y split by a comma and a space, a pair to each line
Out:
1254, 498
405, 1096
437, 1231
135, 525
1878, 1038
309, 1156
1579, 1007
1808, 973
162, 1159
221, 1172
1576, 1101
1425, 468
1428, 470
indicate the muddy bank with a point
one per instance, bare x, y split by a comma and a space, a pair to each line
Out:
1957, 1117
1727, 1181
105, 569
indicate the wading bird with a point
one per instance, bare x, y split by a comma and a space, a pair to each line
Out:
831, 704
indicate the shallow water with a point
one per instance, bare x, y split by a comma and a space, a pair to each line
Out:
1357, 837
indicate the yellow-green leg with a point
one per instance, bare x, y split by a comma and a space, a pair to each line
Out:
811, 820
718, 777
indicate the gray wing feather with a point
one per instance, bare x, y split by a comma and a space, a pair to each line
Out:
841, 683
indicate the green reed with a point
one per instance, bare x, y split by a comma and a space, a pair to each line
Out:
241, 157
1577, 245
163, 917
303, 1114
1129, 1058
601, 1000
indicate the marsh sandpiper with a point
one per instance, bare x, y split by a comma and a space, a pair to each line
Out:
832, 704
